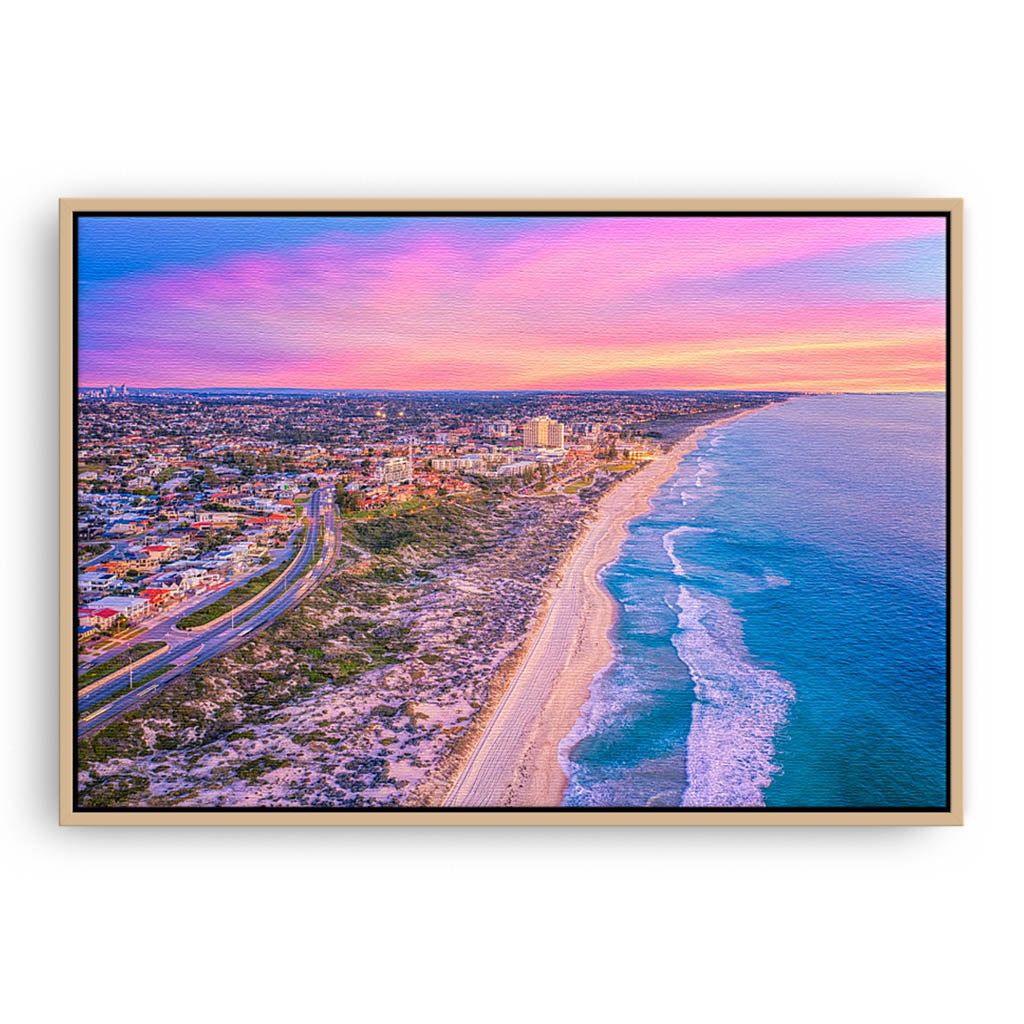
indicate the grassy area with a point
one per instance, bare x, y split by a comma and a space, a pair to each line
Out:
135, 685
620, 467
240, 594
87, 552
364, 515
119, 661
425, 524
578, 485
117, 638
384, 535
155, 674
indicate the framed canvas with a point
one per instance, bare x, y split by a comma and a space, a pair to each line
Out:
511, 512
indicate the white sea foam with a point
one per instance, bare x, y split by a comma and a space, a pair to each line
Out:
738, 707
608, 702
705, 471
737, 711
670, 549
737, 581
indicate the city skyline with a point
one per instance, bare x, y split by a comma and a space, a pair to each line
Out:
513, 303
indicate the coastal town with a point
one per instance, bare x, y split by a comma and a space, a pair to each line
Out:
314, 598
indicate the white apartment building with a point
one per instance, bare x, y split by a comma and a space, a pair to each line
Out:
394, 470
96, 582
515, 468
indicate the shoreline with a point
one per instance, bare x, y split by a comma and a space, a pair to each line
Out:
514, 761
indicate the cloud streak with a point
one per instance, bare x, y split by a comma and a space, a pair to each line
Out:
815, 303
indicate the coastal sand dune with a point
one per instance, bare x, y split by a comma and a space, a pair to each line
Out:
515, 759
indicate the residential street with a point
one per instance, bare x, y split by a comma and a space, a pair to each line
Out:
187, 649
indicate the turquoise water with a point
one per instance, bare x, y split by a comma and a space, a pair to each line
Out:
782, 611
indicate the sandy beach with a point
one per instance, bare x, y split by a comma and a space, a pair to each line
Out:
514, 761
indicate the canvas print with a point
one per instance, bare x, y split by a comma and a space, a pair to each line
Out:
459, 510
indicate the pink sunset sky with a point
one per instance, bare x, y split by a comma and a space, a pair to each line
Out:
553, 303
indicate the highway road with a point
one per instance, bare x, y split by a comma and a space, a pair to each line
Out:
189, 648
157, 627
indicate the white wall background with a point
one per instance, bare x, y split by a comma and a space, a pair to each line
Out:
594, 99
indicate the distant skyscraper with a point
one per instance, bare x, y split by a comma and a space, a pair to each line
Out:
543, 432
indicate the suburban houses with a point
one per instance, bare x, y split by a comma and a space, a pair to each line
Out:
180, 493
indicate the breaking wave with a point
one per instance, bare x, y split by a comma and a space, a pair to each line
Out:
738, 706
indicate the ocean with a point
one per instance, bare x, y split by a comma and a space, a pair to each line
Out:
781, 636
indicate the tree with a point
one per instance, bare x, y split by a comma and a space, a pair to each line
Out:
347, 501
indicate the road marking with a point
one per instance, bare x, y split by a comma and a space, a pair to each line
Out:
148, 689
185, 661
107, 707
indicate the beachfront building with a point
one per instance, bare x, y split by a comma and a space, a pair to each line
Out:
637, 453
543, 432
